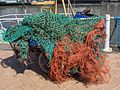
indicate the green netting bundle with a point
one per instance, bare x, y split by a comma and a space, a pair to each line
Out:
14, 32
45, 28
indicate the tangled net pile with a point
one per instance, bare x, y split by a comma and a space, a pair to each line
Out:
84, 58
73, 45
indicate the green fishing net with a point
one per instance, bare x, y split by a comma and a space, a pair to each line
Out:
46, 28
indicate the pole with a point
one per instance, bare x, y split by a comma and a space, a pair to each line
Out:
71, 7
64, 7
56, 6
107, 40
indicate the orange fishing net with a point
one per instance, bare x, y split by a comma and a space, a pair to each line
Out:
85, 58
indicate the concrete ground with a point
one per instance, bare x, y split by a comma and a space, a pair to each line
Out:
17, 77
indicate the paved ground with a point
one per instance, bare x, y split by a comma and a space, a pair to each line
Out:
16, 77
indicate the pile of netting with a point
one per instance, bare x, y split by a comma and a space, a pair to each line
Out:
72, 45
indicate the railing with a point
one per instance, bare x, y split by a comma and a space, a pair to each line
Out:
11, 18
8, 21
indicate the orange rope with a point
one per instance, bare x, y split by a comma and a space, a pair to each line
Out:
69, 55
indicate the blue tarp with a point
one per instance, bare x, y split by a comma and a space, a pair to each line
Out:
80, 15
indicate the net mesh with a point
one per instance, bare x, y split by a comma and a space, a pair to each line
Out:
84, 58
70, 43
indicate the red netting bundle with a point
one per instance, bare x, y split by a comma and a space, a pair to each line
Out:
84, 58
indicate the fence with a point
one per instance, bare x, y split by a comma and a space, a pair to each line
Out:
7, 21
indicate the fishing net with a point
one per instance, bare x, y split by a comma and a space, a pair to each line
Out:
84, 58
71, 44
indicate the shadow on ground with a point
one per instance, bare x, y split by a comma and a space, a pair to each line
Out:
14, 64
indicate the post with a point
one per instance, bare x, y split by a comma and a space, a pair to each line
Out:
73, 13
64, 7
56, 6
107, 40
